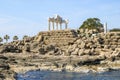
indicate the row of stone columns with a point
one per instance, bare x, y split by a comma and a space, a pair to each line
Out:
57, 26
58, 21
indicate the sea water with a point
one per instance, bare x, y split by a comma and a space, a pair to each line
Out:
50, 75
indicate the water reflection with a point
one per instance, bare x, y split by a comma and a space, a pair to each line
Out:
48, 75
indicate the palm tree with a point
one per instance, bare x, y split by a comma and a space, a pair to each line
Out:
25, 36
15, 38
6, 37
1, 40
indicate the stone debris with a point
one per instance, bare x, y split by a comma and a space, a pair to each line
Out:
61, 50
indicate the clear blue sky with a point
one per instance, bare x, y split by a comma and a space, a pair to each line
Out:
20, 17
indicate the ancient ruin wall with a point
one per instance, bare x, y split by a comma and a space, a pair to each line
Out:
59, 37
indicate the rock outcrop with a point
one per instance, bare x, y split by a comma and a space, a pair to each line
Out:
5, 72
67, 42
61, 50
42, 43
101, 44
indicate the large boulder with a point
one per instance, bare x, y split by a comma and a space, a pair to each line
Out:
87, 52
35, 46
38, 38
82, 46
26, 48
75, 52
81, 52
42, 51
2, 49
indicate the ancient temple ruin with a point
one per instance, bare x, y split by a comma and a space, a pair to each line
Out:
58, 21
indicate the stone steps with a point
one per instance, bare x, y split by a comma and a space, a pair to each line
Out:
60, 37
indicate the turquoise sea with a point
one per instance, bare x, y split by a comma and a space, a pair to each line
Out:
49, 75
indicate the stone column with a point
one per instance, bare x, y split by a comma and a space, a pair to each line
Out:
60, 26
57, 25
49, 25
105, 28
53, 25
66, 25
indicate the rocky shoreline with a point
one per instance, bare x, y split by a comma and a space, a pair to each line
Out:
61, 51
28, 62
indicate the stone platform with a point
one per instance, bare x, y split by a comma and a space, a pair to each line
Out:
58, 37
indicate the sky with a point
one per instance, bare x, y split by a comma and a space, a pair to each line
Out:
28, 17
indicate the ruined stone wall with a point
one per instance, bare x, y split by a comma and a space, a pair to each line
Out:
111, 38
59, 37
101, 44
66, 42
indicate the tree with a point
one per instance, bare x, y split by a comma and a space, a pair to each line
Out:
15, 38
6, 37
92, 23
25, 37
115, 30
1, 40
